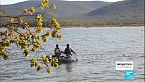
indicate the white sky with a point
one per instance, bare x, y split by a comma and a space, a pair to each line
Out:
4, 2
96, 0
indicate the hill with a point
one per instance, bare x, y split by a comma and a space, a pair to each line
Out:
88, 13
63, 7
125, 10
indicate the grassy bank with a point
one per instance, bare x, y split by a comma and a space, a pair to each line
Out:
94, 23
103, 23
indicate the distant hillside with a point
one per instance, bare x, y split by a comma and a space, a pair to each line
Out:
128, 9
90, 13
63, 7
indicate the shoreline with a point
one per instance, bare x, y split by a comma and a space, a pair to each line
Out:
75, 26
95, 26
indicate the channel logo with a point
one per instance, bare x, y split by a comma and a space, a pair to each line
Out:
129, 74
125, 65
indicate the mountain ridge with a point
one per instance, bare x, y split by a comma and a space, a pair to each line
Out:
122, 9
93, 13
63, 7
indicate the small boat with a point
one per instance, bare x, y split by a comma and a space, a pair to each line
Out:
63, 59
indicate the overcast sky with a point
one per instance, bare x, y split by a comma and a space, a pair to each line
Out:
4, 2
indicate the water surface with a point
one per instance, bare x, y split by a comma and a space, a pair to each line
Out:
97, 50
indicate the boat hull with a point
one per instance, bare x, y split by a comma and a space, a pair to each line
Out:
63, 59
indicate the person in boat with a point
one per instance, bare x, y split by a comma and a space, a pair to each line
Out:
68, 51
57, 51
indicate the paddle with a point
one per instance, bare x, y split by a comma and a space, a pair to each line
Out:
75, 56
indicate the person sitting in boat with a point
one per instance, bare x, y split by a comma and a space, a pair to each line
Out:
57, 51
68, 51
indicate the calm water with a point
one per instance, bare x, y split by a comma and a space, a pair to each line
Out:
97, 50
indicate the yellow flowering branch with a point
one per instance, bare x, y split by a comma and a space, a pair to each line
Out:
19, 33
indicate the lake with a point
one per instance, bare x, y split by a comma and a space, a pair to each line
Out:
97, 51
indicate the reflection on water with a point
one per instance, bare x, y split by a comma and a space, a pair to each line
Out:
68, 67
97, 50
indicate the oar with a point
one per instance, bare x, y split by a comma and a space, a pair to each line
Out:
75, 56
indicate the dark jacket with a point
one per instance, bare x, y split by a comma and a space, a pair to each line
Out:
68, 51
57, 51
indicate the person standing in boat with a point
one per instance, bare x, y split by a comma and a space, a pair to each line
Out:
68, 51
57, 51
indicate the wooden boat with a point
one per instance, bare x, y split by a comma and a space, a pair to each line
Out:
63, 59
